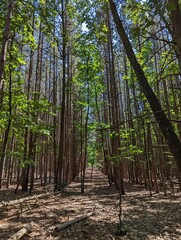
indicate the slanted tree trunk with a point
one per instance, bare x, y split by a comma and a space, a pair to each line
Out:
162, 120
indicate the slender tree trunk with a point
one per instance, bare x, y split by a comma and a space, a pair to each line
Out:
6, 135
61, 161
152, 158
5, 46
176, 20
86, 130
11, 162
107, 118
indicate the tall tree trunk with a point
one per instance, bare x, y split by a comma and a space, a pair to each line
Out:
86, 130
176, 20
7, 131
115, 114
25, 171
162, 120
59, 185
5, 46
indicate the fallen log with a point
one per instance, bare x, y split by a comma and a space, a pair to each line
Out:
76, 220
22, 232
13, 202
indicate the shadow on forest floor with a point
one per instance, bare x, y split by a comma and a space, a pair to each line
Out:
145, 217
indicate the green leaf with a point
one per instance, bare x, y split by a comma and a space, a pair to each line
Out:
136, 31
171, 7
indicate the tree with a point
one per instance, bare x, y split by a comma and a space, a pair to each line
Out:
5, 40
162, 120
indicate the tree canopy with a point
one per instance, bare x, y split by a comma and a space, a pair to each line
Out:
90, 83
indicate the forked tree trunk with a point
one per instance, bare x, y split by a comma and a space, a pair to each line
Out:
162, 120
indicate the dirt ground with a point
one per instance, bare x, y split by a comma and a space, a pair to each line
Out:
144, 217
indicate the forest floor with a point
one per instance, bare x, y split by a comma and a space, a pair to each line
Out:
145, 217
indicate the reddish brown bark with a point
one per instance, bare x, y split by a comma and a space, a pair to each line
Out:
162, 120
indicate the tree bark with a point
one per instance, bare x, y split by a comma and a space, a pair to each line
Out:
7, 131
76, 220
22, 232
86, 130
5, 45
61, 161
162, 120
22, 200
176, 20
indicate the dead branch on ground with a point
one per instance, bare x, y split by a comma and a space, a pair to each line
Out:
76, 220
22, 232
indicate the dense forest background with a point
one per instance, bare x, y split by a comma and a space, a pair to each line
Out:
77, 89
